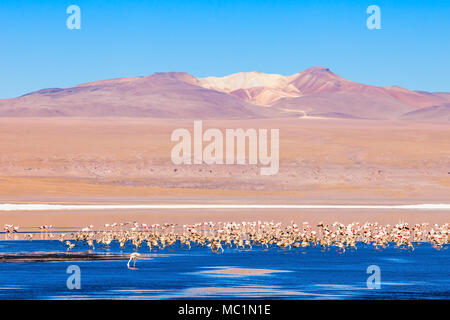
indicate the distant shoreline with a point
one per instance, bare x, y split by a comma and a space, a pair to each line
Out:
49, 207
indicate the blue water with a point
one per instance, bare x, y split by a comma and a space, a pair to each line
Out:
176, 273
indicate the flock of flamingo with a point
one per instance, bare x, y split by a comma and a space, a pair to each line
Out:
246, 235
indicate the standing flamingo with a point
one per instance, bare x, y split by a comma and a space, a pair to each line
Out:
134, 256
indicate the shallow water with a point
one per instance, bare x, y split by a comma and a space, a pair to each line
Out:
177, 273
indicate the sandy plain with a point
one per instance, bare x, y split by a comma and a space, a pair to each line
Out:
127, 160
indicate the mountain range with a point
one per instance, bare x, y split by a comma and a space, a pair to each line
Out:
315, 92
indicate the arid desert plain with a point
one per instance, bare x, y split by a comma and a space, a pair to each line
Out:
127, 161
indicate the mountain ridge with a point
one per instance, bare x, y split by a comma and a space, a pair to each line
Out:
316, 91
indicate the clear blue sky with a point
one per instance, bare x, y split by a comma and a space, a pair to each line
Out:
218, 37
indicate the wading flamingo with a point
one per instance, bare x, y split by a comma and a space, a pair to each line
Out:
134, 256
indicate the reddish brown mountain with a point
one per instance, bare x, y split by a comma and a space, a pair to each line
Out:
161, 95
314, 92
441, 113
323, 93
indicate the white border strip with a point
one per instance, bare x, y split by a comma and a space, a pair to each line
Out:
52, 207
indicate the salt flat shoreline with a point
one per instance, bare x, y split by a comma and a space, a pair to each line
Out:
49, 207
